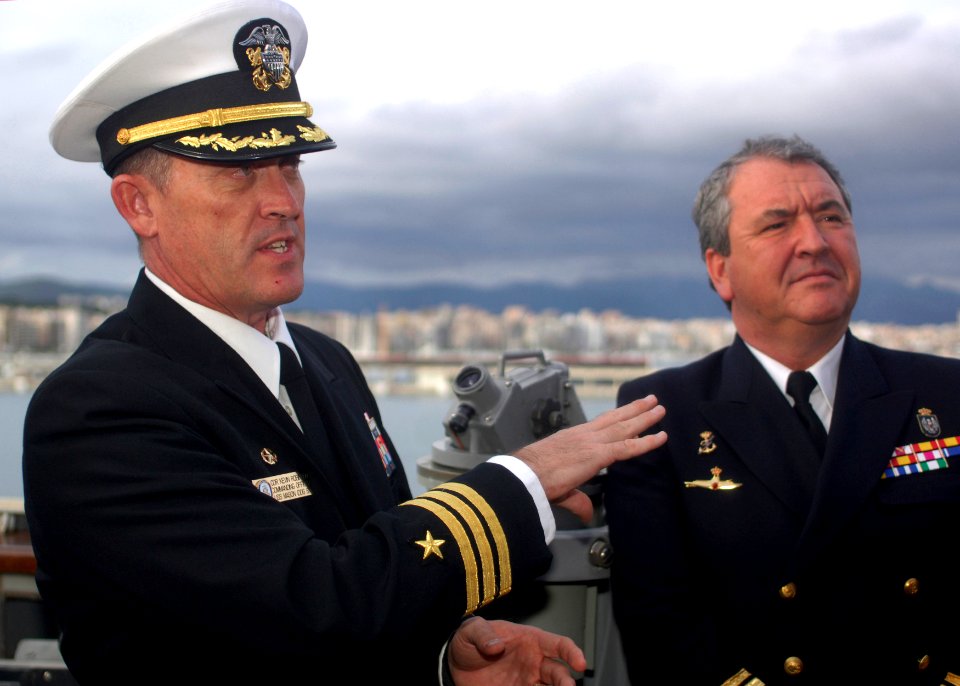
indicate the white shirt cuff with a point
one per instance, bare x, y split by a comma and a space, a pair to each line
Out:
526, 475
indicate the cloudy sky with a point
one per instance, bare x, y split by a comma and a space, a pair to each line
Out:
495, 141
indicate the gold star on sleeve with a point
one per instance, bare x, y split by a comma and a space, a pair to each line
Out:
478, 540
431, 546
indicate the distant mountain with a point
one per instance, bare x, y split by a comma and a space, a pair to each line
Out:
881, 300
47, 291
662, 298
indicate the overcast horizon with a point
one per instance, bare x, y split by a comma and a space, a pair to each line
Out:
530, 141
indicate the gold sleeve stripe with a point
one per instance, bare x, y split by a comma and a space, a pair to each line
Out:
493, 523
737, 678
952, 679
219, 116
479, 536
742, 678
463, 542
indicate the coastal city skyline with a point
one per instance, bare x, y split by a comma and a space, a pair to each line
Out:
419, 351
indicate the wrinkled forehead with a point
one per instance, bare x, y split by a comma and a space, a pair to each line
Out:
764, 183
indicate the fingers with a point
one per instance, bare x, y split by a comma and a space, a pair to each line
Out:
629, 420
569, 652
565, 460
625, 412
555, 674
482, 635
622, 430
578, 503
635, 445
614, 426
566, 656
522, 654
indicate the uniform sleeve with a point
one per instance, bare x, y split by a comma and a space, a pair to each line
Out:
139, 513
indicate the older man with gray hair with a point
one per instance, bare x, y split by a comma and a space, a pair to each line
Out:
793, 528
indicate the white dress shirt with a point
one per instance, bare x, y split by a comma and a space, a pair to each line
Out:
826, 371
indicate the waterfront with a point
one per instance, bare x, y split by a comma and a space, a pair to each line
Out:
414, 422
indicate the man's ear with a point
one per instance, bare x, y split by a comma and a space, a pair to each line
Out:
717, 270
133, 196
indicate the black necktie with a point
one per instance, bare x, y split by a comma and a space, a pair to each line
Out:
799, 387
295, 381
320, 446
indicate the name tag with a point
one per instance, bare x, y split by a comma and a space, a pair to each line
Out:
289, 486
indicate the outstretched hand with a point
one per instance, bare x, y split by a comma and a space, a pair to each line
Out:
507, 654
569, 458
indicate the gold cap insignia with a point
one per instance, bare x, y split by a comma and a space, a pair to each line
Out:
270, 59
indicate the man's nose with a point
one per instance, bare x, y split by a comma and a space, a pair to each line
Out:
810, 235
280, 195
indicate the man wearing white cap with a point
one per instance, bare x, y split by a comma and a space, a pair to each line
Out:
211, 494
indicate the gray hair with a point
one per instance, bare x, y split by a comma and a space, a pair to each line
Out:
149, 162
711, 209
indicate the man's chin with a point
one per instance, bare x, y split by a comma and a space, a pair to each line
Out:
839, 316
291, 297
285, 293
821, 306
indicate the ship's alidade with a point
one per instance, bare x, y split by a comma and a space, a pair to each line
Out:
496, 414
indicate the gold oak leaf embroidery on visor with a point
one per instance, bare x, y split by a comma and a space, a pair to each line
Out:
217, 141
276, 139
314, 134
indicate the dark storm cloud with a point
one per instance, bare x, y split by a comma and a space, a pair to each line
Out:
598, 181
592, 181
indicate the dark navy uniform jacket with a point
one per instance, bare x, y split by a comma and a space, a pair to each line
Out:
163, 561
782, 568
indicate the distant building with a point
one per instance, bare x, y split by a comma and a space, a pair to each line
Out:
418, 350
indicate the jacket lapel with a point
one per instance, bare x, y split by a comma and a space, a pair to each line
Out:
867, 421
185, 339
755, 419
357, 459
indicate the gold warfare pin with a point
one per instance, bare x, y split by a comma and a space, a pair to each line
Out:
707, 445
713, 483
